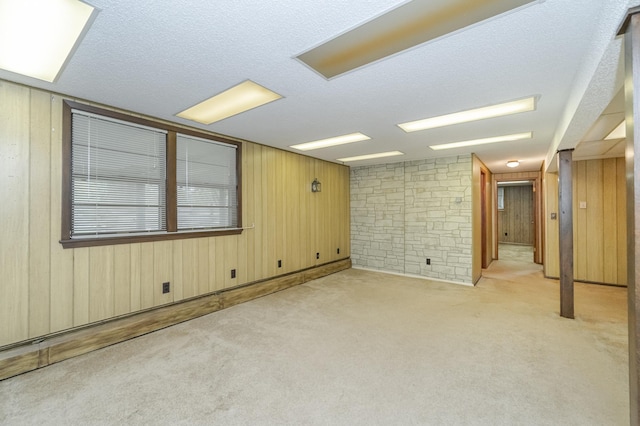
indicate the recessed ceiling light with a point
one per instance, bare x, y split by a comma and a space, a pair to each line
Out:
240, 98
337, 140
506, 138
37, 37
620, 132
406, 26
371, 156
513, 163
498, 110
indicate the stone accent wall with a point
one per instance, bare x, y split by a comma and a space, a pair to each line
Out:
404, 213
377, 217
438, 218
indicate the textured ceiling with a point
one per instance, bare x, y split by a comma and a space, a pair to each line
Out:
593, 144
160, 57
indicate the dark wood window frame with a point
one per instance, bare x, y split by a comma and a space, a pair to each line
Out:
171, 188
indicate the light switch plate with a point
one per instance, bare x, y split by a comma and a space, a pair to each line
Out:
583, 204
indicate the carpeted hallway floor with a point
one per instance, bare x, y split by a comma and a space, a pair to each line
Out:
519, 252
357, 348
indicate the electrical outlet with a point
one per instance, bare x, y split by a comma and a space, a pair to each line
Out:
233, 273
279, 263
166, 287
338, 251
317, 255
428, 261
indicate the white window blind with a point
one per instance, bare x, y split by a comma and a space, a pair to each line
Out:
118, 177
206, 184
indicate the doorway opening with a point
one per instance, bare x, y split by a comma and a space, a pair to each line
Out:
483, 218
516, 221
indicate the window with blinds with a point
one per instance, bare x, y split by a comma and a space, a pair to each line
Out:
118, 177
130, 179
206, 184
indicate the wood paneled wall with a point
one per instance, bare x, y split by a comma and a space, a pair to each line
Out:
515, 221
551, 262
600, 229
46, 289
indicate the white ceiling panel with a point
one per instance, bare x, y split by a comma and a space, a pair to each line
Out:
159, 58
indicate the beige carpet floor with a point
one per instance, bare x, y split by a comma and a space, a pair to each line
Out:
519, 252
357, 348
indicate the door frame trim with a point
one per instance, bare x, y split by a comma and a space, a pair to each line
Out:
536, 178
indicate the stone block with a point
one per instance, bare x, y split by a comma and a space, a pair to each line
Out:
446, 160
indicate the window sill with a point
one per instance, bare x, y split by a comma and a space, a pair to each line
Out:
108, 241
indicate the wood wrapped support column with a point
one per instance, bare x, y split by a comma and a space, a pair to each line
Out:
565, 205
631, 30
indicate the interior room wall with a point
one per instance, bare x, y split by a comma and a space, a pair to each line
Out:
47, 289
599, 222
515, 221
552, 227
378, 217
477, 261
404, 213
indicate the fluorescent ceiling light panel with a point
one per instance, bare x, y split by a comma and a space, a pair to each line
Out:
515, 182
498, 110
620, 132
338, 140
240, 98
506, 138
37, 37
406, 26
371, 156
